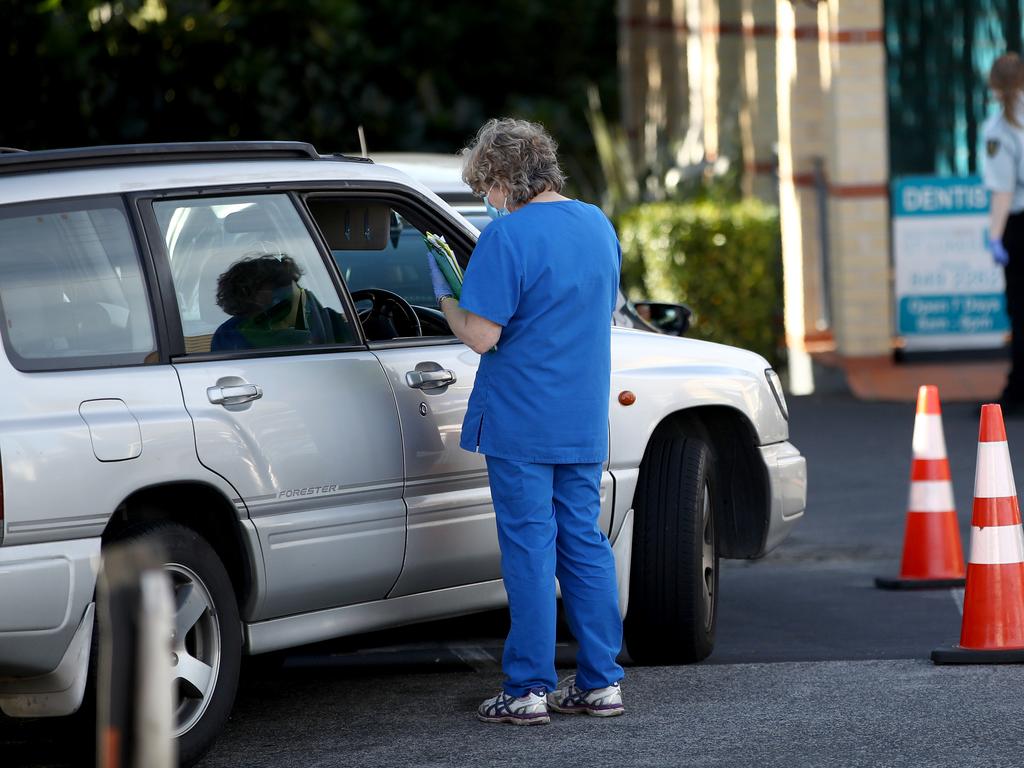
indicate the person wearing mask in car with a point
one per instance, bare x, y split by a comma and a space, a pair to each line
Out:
268, 308
1003, 172
536, 303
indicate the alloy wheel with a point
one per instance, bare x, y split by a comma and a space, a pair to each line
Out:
195, 646
708, 558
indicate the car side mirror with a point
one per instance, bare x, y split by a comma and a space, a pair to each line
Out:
673, 319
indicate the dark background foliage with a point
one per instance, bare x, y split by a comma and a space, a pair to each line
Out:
940, 52
416, 75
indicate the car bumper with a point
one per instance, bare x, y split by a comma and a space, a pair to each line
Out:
787, 477
45, 591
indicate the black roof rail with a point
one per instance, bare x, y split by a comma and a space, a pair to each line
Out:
347, 158
180, 152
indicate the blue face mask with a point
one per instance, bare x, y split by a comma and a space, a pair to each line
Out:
494, 213
282, 295
281, 300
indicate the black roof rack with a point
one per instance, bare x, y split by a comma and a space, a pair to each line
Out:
182, 152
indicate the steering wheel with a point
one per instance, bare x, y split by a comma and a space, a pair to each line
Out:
386, 307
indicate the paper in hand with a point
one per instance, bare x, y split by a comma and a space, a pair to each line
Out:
446, 261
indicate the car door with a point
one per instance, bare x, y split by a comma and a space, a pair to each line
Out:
451, 536
90, 410
287, 404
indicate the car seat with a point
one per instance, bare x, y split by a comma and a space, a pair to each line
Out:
34, 301
246, 233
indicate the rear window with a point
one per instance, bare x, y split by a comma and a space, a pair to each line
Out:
72, 293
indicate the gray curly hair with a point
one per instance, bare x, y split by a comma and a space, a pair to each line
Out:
519, 155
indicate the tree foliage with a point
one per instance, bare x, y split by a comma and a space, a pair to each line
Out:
415, 75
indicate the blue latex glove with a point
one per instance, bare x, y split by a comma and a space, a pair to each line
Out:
998, 251
437, 281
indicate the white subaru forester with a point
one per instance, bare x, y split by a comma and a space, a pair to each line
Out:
308, 483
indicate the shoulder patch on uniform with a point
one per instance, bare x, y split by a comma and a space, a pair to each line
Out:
991, 147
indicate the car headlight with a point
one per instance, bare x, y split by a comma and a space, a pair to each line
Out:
775, 383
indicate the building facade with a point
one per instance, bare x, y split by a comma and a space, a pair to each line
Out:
822, 103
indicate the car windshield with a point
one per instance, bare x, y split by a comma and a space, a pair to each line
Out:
400, 267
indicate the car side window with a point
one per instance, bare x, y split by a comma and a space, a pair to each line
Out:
248, 276
379, 248
72, 288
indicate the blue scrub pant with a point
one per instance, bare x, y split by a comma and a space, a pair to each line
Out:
547, 527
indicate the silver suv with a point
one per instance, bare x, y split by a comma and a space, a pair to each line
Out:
296, 453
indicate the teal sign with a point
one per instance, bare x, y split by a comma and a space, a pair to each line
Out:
949, 294
937, 196
978, 313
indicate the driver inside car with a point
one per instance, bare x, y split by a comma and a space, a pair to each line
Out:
269, 308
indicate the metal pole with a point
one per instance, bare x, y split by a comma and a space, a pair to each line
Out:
824, 260
135, 692
154, 694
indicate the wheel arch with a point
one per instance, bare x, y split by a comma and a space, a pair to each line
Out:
201, 507
744, 494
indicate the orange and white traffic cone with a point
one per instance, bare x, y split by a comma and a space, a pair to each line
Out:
933, 556
993, 624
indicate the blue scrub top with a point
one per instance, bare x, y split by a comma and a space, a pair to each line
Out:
549, 275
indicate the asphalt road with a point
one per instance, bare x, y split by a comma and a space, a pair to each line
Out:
813, 665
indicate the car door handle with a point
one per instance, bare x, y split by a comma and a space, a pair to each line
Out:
235, 394
429, 379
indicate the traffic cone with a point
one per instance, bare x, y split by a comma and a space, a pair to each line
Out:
933, 556
993, 625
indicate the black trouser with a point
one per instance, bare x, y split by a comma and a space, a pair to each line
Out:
1013, 240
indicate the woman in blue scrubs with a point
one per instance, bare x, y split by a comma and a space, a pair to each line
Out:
536, 303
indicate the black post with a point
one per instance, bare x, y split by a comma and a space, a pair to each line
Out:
134, 672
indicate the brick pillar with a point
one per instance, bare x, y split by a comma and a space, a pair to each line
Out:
759, 127
853, 78
801, 144
653, 59
721, 32
692, 150
672, 54
633, 73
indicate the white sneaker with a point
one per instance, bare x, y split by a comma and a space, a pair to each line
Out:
600, 702
531, 709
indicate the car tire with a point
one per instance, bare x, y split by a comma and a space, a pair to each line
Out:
205, 600
673, 592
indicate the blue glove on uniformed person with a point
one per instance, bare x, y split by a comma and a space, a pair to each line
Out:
998, 251
437, 281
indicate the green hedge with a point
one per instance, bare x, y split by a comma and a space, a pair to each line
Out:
722, 259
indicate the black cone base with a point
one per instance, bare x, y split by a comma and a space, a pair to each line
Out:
954, 654
883, 583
